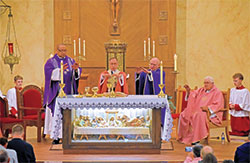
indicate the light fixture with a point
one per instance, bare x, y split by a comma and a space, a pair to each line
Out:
11, 53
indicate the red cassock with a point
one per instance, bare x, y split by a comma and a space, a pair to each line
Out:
121, 84
240, 122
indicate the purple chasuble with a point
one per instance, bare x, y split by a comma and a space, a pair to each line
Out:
147, 87
52, 88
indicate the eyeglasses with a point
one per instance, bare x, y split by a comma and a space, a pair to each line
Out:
62, 50
151, 64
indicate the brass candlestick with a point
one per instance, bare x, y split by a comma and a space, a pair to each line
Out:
161, 94
61, 93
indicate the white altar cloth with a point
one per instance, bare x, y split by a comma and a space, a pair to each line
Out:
129, 102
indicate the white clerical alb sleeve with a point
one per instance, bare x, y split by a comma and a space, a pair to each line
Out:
137, 77
150, 76
121, 80
245, 105
1, 95
102, 80
56, 75
212, 113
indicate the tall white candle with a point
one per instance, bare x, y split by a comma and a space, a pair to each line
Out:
149, 45
61, 72
74, 47
161, 68
145, 48
79, 46
175, 62
153, 48
83, 48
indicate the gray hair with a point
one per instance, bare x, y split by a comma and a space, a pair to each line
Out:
17, 129
209, 78
57, 47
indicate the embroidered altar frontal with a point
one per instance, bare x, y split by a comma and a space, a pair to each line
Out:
112, 125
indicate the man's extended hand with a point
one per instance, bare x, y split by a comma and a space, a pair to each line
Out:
204, 108
138, 70
231, 106
116, 75
75, 66
187, 88
65, 66
106, 75
145, 70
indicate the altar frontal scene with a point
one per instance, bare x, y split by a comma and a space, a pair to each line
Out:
124, 81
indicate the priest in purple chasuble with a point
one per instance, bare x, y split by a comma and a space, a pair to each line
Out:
147, 81
193, 123
52, 69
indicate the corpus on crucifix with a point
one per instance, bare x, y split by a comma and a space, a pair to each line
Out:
115, 6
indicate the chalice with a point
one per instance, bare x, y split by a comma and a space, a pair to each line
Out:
95, 89
87, 91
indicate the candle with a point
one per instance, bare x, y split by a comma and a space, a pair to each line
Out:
84, 48
61, 72
79, 46
74, 48
175, 62
161, 67
149, 46
145, 48
153, 48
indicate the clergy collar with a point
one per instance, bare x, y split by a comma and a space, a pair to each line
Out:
207, 91
241, 87
60, 57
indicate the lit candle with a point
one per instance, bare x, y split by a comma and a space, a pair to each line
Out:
84, 48
149, 46
74, 48
175, 62
153, 48
145, 48
161, 67
79, 46
61, 72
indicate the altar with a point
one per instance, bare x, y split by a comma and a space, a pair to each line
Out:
111, 125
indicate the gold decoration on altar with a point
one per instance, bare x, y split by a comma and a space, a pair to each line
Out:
87, 94
95, 89
61, 93
161, 94
111, 86
117, 49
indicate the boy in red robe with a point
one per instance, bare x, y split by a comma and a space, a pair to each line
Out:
239, 107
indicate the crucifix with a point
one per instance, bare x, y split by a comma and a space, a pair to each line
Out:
115, 6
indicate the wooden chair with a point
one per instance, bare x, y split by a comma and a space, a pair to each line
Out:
181, 104
7, 122
30, 102
225, 118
